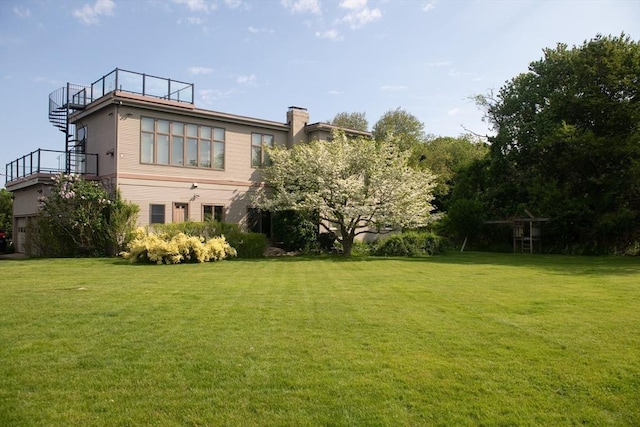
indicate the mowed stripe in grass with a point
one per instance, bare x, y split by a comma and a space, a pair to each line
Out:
460, 339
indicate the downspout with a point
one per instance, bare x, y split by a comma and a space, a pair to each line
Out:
116, 117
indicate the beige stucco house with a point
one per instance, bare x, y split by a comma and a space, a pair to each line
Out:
144, 135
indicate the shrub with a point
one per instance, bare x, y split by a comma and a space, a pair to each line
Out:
164, 249
205, 229
295, 231
410, 243
327, 242
360, 248
81, 218
248, 245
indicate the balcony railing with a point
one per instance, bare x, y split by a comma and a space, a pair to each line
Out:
142, 84
51, 162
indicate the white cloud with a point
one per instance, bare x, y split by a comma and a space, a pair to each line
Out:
454, 72
233, 3
194, 20
22, 12
302, 6
196, 5
430, 5
91, 14
353, 4
200, 70
331, 34
335, 92
393, 87
246, 80
453, 112
360, 14
209, 96
255, 30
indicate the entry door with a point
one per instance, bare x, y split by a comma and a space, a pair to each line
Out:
180, 212
20, 237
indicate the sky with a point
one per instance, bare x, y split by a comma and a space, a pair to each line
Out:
258, 57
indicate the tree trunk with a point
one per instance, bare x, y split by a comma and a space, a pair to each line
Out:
347, 242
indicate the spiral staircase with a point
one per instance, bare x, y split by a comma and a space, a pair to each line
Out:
62, 103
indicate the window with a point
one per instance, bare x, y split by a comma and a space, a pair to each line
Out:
162, 139
177, 144
259, 221
147, 140
81, 139
192, 145
259, 156
164, 142
213, 212
156, 214
205, 141
218, 145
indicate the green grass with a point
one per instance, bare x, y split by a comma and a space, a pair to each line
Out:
461, 339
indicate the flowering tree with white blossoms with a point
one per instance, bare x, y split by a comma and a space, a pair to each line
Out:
354, 184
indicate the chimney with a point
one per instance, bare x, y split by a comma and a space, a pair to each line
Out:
297, 119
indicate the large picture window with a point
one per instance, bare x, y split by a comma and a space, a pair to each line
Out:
164, 142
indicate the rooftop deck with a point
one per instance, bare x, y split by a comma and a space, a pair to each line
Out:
142, 84
64, 101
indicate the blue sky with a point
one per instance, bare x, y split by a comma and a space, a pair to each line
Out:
257, 58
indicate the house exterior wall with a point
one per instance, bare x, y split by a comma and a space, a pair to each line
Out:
25, 207
101, 137
113, 133
116, 125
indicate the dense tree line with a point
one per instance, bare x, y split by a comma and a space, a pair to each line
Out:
567, 147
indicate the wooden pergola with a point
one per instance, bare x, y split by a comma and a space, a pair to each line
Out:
527, 232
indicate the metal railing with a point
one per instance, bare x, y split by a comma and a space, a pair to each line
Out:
142, 84
51, 162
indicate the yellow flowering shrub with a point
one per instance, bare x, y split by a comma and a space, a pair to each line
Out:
161, 249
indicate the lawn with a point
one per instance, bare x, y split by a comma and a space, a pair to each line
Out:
459, 339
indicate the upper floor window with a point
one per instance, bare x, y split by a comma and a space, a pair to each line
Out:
259, 156
165, 142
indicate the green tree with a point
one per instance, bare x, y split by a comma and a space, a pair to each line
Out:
567, 143
401, 127
354, 184
81, 218
355, 121
6, 211
446, 157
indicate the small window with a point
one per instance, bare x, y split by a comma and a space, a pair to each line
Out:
157, 214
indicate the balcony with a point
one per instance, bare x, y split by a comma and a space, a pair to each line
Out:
141, 84
51, 162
